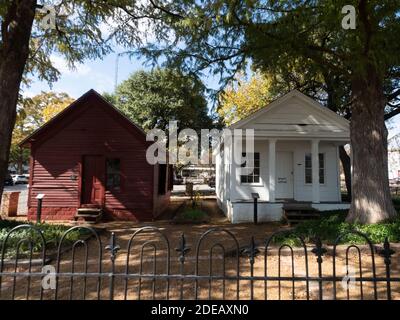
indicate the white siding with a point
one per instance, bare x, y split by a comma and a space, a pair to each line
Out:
243, 191
293, 120
302, 192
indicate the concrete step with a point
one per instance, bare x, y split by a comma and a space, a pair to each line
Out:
296, 215
89, 215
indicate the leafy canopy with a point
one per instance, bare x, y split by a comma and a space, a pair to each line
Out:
31, 114
153, 98
243, 97
224, 36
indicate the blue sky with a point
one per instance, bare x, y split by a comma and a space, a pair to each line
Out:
100, 75
97, 74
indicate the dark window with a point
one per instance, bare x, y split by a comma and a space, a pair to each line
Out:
321, 168
170, 177
113, 171
162, 178
308, 168
254, 176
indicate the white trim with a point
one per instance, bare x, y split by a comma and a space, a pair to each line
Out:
272, 169
339, 184
315, 171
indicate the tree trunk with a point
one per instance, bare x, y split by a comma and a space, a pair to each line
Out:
346, 164
371, 198
14, 51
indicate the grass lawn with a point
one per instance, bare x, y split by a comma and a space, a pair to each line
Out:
52, 234
333, 224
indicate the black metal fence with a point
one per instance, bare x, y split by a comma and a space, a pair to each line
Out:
145, 265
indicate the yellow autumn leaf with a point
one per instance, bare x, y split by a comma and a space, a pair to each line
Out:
245, 97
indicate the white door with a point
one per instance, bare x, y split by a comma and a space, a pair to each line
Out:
284, 175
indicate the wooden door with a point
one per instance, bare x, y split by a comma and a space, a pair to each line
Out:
284, 175
93, 180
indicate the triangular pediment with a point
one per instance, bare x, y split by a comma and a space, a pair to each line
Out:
295, 114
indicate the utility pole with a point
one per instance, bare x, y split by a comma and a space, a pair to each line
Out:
117, 69
116, 72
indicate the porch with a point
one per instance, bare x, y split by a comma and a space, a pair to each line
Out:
243, 210
284, 175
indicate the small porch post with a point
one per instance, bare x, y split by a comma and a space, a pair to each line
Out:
315, 170
271, 166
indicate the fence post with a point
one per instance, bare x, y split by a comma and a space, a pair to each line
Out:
183, 250
387, 252
319, 251
39, 198
251, 251
113, 248
255, 196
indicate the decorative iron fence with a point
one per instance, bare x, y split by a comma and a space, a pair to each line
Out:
217, 266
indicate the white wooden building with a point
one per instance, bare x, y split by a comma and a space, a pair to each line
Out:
290, 135
394, 157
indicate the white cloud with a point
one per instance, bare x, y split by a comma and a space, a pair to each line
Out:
102, 83
62, 65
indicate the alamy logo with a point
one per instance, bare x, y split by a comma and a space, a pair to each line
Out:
349, 20
51, 12
186, 147
49, 280
349, 280
49, 20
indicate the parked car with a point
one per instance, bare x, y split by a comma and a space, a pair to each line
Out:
9, 180
20, 179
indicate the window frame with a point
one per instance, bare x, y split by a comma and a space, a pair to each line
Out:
253, 175
119, 173
319, 168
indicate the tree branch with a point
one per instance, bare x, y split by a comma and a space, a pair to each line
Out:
393, 95
392, 113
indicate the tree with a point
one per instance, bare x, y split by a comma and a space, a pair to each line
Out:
31, 114
223, 36
26, 48
28, 38
242, 97
51, 104
154, 98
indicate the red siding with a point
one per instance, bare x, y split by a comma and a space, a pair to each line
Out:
91, 130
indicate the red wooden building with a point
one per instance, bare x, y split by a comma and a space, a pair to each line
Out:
91, 159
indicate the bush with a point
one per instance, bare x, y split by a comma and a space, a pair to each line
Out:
332, 224
51, 233
396, 202
194, 214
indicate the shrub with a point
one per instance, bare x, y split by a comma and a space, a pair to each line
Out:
194, 214
332, 224
51, 233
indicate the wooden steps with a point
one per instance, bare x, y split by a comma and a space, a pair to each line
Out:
299, 212
88, 215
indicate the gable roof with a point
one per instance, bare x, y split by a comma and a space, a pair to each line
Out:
295, 113
89, 96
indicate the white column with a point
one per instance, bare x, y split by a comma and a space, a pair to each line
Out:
271, 166
315, 170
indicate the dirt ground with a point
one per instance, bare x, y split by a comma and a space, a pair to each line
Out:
147, 253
